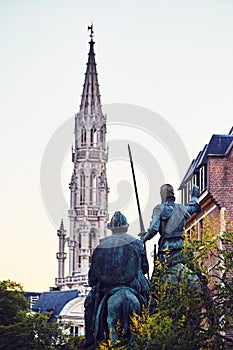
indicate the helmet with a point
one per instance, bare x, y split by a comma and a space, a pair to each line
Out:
166, 192
118, 221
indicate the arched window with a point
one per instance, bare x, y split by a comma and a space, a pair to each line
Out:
93, 240
93, 140
82, 182
93, 187
102, 135
83, 136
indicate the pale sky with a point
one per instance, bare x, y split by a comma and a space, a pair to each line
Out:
171, 57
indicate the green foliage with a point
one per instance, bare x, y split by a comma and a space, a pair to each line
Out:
185, 313
23, 330
12, 301
175, 319
219, 250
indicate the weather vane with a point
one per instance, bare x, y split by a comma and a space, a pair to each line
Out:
90, 28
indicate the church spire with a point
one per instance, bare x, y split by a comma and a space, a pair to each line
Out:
90, 102
88, 211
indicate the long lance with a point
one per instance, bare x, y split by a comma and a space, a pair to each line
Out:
142, 228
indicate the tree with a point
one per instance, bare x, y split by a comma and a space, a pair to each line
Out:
12, 301
183, 316
23, 330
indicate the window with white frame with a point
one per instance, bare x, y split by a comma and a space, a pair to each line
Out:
189, 190
194, 180
202, 178
74, 330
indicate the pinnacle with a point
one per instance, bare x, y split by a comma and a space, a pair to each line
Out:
62, 225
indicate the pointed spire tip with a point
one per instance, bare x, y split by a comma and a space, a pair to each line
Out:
62, 225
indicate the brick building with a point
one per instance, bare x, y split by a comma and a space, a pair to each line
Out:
212, 172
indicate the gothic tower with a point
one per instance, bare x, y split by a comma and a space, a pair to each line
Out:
88, 213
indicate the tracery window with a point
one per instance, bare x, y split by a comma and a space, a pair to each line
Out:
93, 138
102, 135
82, 181
83, 136
93, 189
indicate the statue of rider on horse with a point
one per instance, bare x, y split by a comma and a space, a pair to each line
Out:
119, 287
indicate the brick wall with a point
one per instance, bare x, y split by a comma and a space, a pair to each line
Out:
220, 180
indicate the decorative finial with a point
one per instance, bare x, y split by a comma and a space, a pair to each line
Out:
90, 28
62, 225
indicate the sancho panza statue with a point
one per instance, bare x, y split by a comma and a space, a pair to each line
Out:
119, 286
169, 219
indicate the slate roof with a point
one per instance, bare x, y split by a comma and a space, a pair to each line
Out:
218, 145
54, 301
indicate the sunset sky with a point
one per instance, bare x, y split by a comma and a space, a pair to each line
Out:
171, 57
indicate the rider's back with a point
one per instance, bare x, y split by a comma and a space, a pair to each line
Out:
116, 260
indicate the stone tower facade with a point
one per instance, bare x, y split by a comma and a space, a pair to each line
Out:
88, 213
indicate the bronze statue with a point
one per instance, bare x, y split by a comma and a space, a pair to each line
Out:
119, 286
169, 219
